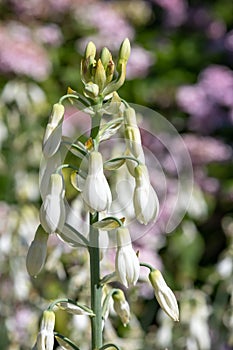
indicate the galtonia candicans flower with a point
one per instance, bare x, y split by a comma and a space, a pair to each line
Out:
96, 192
127, 263
45, 338
37, 252
145, 200
52, 211
164, 295
121, 306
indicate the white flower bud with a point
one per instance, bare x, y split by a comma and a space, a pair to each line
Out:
132, 133
37, 252
121, 306
45, 338
53, 132
164, 295
127, 263
52, 211
96, 192
145, 200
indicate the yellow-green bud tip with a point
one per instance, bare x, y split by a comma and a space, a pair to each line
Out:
125, 50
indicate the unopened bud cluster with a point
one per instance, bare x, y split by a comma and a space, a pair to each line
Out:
98, 73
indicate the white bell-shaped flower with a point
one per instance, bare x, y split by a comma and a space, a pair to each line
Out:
52, 211
96, 192
121, 306
45, 338
126, 263
164, 295
145, 200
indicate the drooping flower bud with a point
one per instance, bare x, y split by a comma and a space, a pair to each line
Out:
121, 306
37, 252
145, 200
45, 338
52, 211
127, 263
132, 133
164, 295
96, 192
53, 132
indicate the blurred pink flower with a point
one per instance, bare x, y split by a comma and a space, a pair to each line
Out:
20, 53
206, 101
139, 63
45, 8
111, 27
217, 82
206, 149
49, 34
193, 100
176, 11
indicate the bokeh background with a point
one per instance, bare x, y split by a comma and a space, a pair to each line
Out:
181, 66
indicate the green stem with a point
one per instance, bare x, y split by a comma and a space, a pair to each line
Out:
95, 125
77, 97
80, 236
151, 268
110, 345
96, 288
70, 301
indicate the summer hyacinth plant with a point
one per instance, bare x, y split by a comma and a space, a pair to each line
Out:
100, 98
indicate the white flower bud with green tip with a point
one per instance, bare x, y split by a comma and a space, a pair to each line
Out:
121, 306
37, 252
52, 211
96, 192
126, 263
132, 133
145, 200
100, 76
124, 53
164, 295
45, 338
90, 51
53, 132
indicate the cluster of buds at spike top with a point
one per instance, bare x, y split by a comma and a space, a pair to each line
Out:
53, 132
121, 306
37, 252
96, 193
164, 295
127, 264
97, 74
52, 211
45, 338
